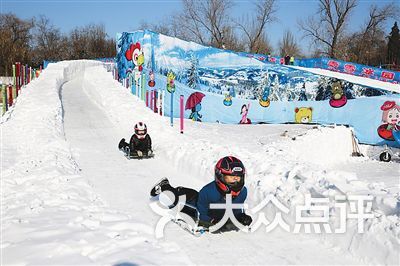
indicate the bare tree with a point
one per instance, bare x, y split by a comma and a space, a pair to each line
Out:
231, 41
165, 27
328, 29
15, 36
368, 45
254, 28
378, 16
205, 21
48, 42
288, 45
90, 42
34, 40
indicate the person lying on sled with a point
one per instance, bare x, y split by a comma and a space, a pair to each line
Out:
229, 176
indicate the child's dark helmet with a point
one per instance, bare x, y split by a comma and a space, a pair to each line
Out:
230, 165
141, 129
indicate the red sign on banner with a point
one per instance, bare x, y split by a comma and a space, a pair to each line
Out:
367, 71
262, 58
333, 64
272, 59
282, 61
387, 75
349, 68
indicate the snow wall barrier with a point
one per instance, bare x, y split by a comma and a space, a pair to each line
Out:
226, 87
351, 68
336, 66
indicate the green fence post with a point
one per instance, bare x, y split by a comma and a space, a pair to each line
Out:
13, 70
143, 79
4, 98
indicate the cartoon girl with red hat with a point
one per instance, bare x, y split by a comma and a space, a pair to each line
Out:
391, 120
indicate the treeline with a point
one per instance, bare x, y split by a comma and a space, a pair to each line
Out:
33, 40
211, 22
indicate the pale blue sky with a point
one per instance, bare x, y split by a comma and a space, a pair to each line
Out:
125, 15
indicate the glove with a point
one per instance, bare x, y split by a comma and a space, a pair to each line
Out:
244, 219
139, 153
207, 224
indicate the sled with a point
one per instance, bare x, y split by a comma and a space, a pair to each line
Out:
386, 134
129, 156
264, 103
338, 103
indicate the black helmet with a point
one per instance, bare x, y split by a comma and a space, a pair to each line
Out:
141, 129
229, 165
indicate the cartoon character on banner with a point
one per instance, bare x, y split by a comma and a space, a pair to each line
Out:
228, 100
338, 98
264, 100
171, 82
135, 54
228, 97
303, 115
194, 103
390, 129
244, 111
151, 82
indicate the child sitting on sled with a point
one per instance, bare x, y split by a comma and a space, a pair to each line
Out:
140, 143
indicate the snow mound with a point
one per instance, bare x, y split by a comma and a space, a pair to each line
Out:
50, 215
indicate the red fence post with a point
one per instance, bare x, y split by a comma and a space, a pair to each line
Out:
151, 100
10, 95
155, 101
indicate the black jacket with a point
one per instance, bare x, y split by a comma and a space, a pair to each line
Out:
143, 145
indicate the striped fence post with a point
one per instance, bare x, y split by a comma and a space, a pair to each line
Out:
181, 113
138, 90
14, 81
13, 71
17, 78
4, 98
163, 103
143, 83
155, 110
133, 85
159, 102
25, 75
10, 95
21, 77
172, 110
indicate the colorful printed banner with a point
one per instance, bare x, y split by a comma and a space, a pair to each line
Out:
227, 87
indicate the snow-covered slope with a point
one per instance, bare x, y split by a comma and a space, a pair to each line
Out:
70, 197
378, 84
